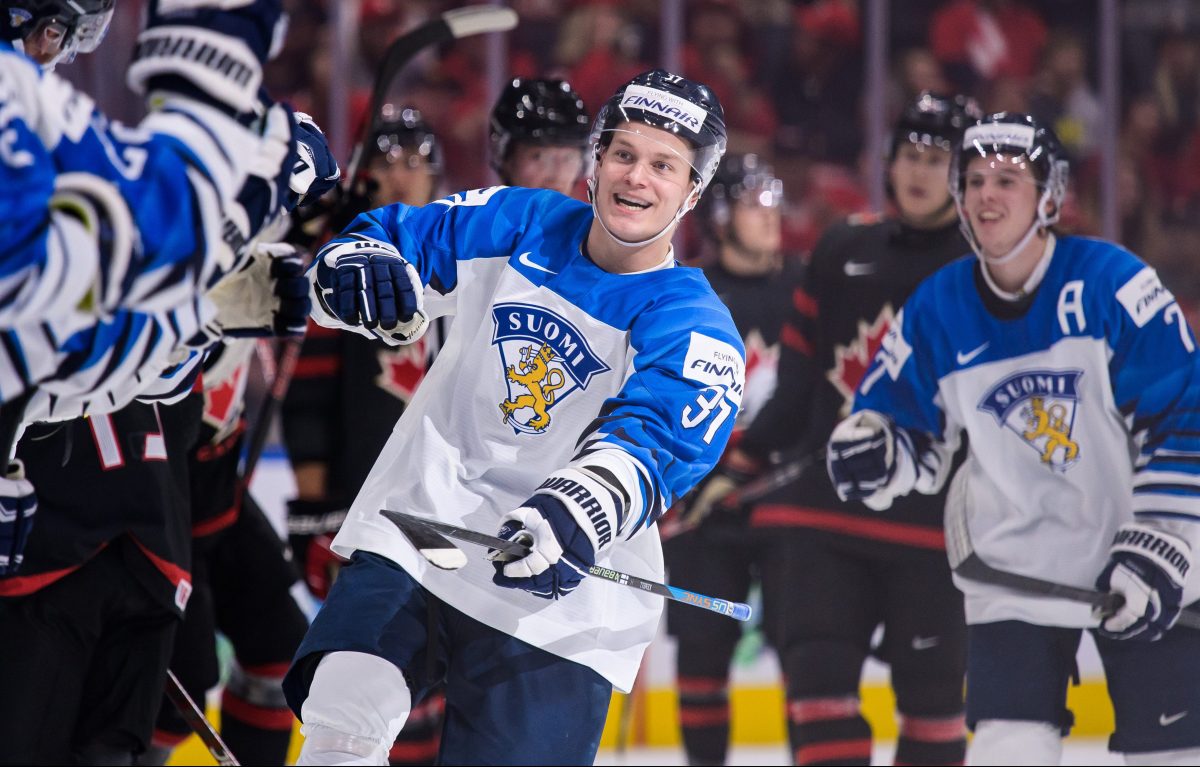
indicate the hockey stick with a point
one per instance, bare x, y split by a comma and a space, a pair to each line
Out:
406, 522
285, 367
197, 721
760, 487
968, 564
451, 25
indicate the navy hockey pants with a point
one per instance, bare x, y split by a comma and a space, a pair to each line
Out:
507, 702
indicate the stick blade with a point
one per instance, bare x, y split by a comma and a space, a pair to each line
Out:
437, 549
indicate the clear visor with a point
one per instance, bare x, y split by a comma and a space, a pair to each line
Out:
409, 155
1008, 167
762, 191
704, 159
90, 30
660, 169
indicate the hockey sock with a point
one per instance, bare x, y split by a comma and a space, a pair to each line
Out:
704, 718
932, 740
418, 742
828, 731
256, 722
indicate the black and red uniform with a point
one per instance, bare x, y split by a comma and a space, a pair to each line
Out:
89, 619
242, 577
718, 557
834, 571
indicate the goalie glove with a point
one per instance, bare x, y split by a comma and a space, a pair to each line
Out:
267, 297
367, 283
1148, 566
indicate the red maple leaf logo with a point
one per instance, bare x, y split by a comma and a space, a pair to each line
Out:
401, 369
223, 402
850, 361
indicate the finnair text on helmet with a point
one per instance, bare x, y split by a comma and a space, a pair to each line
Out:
682, 111
999, 134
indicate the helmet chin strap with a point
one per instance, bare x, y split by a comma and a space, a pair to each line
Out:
684, 207
1040, 221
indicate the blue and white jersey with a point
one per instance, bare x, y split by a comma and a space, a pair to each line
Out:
101, 366
551, 362
95, 215
1082, 411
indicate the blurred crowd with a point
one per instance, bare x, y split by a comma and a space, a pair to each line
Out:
790, 76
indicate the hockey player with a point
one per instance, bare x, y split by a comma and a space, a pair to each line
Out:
1072, 373
539, 135
832, 571
242, 581
348, 392
587, 382
740, 215
85, 202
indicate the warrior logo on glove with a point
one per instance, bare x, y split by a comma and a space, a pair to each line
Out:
544, 358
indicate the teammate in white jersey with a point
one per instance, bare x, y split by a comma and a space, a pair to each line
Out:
586, 383
1071, 370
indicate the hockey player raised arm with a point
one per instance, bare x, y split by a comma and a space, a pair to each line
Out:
110, 216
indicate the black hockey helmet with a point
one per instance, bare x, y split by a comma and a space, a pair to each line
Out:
80, 24
934, 120
400, 134
739, 176
537, 111
671, 102
1016, 137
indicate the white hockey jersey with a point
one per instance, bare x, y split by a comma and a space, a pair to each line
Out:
1081, 407
549, 360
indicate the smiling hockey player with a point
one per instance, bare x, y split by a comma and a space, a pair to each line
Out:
587, 382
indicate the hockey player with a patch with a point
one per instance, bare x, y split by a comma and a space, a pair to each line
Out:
587, 382
1072, 374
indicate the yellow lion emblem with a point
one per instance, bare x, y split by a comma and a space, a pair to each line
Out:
1051, 424
540, 379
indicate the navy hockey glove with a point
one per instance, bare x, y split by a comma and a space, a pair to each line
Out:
560, 552
18, 504
1147, 566
208, 49
367, 282
315, 171
861, 458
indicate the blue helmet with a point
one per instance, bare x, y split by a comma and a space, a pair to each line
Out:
673, 103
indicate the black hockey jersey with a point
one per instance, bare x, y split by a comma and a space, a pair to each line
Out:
116, 479
858, 277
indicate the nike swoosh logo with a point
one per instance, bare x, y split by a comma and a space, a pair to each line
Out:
965, 358
527, 261
1167, 721
924, 643
859, 268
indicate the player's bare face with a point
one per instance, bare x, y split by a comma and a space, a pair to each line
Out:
403, 177
545, 167
1000, 201
918, 175
759, 231
642, 179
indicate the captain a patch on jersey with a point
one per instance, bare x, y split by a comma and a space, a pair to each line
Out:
543, 359
1040, 407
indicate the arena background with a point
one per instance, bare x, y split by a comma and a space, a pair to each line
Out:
812, 86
